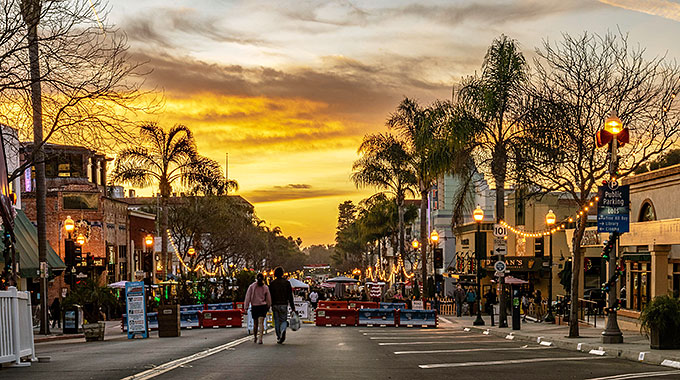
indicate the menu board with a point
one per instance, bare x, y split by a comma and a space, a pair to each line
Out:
135, 305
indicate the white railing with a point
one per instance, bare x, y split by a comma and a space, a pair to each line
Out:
16, 327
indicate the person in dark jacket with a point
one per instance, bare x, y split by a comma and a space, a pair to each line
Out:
55, 312
282, 296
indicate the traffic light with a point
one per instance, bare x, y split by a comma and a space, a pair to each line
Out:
439, 258
77, 254
69, 252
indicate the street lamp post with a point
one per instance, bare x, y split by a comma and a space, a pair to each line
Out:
478, 216
612, 333
550, 220
416, 245
69, 227
148, 243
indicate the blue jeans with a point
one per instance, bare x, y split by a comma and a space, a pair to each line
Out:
280, 316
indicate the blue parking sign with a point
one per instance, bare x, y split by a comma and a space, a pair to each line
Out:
613, 208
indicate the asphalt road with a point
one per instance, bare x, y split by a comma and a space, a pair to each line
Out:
328, 353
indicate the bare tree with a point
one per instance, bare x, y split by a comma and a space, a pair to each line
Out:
577, 83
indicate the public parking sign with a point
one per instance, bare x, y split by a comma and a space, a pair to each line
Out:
613, 208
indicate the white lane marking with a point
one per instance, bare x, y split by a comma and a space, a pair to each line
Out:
503, 362
411, 337
637, 375
670, 363
433, 342
445, 320
416, 334
169, 366
469, 350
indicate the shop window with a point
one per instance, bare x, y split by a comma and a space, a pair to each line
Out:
80, 201
640, 292
676, 280
647, 212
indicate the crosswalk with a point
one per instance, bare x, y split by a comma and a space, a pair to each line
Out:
453, 349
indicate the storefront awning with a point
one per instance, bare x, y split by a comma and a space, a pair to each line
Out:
27, 249
637, 256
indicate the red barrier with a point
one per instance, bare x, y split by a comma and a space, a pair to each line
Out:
336, 317
239, 306
362, 305
333, 304
220, 318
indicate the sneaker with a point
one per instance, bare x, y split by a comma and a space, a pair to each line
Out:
259, 341
255, 339
283, 337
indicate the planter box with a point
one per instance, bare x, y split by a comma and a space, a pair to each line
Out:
94, 331
663, 340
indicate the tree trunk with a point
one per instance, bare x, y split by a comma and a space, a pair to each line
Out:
31, 13
575, 271
423, 234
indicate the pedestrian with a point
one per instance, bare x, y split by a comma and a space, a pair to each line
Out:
282, 296
459, 298
314, 298
538, 302
525, 306
471, 297
259, 298
490, 301
55, 312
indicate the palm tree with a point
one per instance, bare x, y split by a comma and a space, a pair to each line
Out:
167, 159
384, 164
494, 99
437, 140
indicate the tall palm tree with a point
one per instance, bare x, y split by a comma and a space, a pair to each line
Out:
166, 158
384, 164
437, 139
495, 100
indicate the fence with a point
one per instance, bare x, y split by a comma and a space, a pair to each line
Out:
588, 311
16, 327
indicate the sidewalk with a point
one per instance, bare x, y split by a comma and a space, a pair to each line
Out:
112, 328
635, 347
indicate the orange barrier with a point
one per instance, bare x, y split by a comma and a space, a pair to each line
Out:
333, 304
220, 318
336, 317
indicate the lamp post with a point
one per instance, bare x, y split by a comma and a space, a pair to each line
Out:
434, 241
69, 227
550, 220
612, 333
478, 216
148, 243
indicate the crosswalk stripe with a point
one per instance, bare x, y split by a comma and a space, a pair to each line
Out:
470, 350
504, 362
436, 342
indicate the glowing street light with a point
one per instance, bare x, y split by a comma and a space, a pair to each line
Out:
69, 225
415, 244
148, 240
434, 236
80, 239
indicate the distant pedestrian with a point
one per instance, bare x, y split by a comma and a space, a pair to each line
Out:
525, 306
459, 298
282, 296
538, 302
314, 298
55, 312
259, 298
471, 297
491, 300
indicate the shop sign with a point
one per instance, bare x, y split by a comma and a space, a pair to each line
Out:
515, 263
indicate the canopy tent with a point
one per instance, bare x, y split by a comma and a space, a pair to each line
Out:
342, 279
295, 283
327, 285
27, 249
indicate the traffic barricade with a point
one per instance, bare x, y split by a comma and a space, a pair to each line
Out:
188, 319
333, 304
362, 305
336, 317
424, 318
220, 306
393, 305
220, 318
377, 317
191, 307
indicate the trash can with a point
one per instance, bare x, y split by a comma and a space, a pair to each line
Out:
168, 321
71, 319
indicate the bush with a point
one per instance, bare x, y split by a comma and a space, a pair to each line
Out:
93, 298
662, 313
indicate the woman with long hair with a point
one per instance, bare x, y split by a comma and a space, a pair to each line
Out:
260, 300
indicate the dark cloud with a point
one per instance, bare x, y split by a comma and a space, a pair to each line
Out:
290, 192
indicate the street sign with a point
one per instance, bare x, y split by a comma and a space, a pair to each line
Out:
499, 230
499, 266
499, 274
613, 208
499, 246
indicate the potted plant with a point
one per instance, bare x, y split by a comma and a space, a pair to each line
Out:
93, 298
660, 321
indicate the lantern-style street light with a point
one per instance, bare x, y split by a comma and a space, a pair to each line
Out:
80, 239
415, 244
478, 216
550, 220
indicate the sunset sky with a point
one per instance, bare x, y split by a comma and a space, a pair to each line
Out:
289, 88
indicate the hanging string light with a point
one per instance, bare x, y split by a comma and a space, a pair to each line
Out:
200, 267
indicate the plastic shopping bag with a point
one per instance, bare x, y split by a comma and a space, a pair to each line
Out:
295, 322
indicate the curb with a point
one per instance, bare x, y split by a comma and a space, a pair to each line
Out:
648, 357
57, 338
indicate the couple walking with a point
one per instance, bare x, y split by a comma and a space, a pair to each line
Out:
278, 295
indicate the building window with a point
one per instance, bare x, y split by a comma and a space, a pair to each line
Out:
676, 280
641, 291
647, 212
80, 201
64, 165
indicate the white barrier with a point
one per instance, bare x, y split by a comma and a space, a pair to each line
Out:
16, 327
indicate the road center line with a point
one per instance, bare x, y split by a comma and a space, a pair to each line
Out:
169, 366
436, 342
637, 375
470, 350
503, 362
